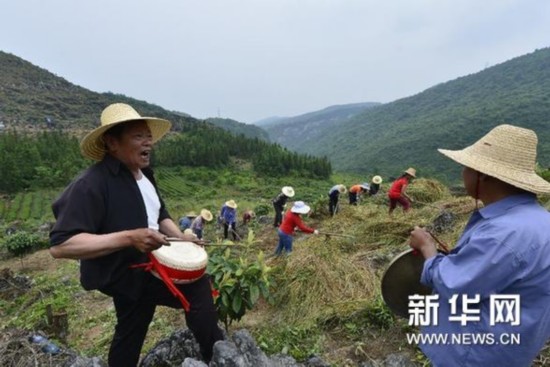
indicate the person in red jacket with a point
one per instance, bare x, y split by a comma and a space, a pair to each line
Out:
397, 192
292, 220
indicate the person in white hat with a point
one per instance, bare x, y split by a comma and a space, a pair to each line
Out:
198, 223
291, 221
398, 190
375, 185
279, 204
503, 254
228, 217
333, 196
111, 217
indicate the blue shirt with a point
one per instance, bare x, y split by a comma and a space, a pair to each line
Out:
185, 223
229, 215
505, 250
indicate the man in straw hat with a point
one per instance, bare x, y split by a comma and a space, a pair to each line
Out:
333, 196
397, 192
291, 221
111, 217
504, 252
279, 204
228, 216
198, 223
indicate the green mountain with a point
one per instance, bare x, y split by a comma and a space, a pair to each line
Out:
238, 128
387, 139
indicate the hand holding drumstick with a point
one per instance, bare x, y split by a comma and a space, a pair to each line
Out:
426, 242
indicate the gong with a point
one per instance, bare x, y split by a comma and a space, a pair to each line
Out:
402, 279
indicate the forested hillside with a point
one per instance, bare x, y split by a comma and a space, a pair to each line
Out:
388, 138
237, 128
45, 116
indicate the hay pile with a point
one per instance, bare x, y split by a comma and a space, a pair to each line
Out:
330, 275
424, 190
318, 277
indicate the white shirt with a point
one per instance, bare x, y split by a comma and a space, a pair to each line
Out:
151, 200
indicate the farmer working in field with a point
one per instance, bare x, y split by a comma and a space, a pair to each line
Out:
503, 254
279, 204
356, 191
199, 222
290, 222
333, 196
375, 185
228, 217
397, 193
110, 217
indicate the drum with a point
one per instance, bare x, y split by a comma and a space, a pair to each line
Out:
401, 279
184, 262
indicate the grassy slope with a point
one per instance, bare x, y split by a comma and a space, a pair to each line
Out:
329, 286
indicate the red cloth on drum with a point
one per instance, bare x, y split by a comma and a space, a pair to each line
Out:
161, 271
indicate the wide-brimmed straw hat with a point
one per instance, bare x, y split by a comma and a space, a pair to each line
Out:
342, 189
92, 145
507, 153
300, 207
231, 203
288, 191
377, 180
411, 172
207, 215
191, 214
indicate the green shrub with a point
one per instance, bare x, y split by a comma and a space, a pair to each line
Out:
21, 243
239, 280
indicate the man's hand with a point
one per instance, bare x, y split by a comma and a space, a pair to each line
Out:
147, 240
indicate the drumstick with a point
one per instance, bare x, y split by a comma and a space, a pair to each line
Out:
442, 245
200, 242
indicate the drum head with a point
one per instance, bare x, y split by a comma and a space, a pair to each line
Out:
402, 279
184, 262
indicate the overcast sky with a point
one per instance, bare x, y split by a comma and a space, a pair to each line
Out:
252, 59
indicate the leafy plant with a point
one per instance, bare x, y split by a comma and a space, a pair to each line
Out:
21, 243
239, 280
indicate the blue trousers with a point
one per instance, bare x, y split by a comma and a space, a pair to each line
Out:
285, 243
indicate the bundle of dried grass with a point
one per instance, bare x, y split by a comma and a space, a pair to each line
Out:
427, 191
317, 276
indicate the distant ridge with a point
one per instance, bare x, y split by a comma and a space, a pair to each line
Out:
388, 138
292, 131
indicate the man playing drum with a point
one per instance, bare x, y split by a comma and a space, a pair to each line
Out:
111, 217
503, 254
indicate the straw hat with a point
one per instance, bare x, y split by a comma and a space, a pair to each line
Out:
231, 203
188, 231
92, 145
288, 191
207, 215
365, 186
411, 172
300, 207
507, 153
342, 189
191, 214
377, 180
